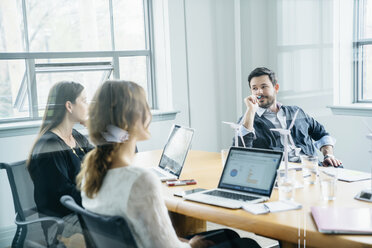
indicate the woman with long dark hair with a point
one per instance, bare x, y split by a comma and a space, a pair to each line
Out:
56, 156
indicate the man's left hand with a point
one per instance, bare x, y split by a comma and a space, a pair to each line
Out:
330, 160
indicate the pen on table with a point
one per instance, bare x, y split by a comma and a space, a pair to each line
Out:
266, 207
179, 183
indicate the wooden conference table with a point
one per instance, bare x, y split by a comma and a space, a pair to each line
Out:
290, 227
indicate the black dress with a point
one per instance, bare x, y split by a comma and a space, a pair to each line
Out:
53, 168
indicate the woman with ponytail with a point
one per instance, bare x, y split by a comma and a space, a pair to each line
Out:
110, 185
55, 159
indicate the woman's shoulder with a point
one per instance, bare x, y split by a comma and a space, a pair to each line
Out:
81, 139
78, 135
48, 142
136, 171
48, 147
133, 173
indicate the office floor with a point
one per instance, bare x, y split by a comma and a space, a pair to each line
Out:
262, 241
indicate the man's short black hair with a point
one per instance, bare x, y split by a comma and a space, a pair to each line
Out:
260, 71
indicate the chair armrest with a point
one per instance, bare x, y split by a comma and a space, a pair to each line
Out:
60, 223
57, 220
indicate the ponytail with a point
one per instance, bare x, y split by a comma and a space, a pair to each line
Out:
116, 103
95, 167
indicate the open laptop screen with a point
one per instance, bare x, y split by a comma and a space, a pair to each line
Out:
175, 151
250, 170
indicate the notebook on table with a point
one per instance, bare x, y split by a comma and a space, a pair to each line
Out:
248, 177
338, 220
350, 175
272, 207
174, 153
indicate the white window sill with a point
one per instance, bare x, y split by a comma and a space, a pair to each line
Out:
356, 109
32, 127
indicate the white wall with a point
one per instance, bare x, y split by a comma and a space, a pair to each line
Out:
211, 63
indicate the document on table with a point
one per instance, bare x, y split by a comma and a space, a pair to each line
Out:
350, 175
271, 207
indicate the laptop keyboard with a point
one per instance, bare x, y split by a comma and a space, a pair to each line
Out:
230, 195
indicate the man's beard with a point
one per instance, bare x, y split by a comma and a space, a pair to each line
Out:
268, 103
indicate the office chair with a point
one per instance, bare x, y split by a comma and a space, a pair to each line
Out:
29, 228
101, 231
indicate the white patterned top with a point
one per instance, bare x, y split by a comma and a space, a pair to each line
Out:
135, 192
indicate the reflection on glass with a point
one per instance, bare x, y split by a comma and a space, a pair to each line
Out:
11, 26
73, 60
44, 81
303, 50
299, 22
134, 69
12, 74
367, 73
129, 25
68, 25
367, 28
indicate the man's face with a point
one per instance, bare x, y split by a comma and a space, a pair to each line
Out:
262, 87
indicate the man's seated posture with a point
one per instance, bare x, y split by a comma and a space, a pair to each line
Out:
264, 112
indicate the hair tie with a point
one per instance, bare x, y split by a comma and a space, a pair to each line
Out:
115, 134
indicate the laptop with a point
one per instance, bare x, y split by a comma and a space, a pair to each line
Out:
174, 153
248, 177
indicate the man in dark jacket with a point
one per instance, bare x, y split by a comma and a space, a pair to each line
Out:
264, 113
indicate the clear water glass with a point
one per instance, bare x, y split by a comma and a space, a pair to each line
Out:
224, 153
285, 185
309, 168
328, 183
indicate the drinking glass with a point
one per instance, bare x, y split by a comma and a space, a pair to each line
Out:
309, 168
328, 183
224, 153
286, 185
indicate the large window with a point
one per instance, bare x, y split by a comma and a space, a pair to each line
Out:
363, 51
88, 41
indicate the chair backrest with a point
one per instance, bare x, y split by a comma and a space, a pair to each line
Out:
101, 231
22, 188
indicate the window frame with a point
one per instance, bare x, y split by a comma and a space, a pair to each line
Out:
113, 55
358, 50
